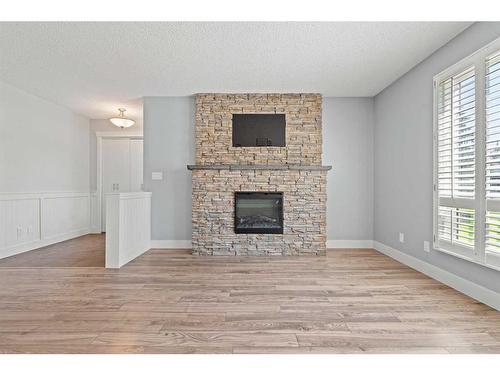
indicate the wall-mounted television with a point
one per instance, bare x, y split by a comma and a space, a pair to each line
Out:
259, 130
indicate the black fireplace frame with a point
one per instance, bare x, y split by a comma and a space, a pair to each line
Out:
260, 195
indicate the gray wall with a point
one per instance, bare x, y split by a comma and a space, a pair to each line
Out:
403, 157
347, 144
43, 146
168, 148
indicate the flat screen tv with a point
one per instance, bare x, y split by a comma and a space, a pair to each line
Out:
259, 130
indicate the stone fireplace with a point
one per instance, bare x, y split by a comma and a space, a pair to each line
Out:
262, 199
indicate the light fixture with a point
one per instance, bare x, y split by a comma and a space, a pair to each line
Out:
122, 121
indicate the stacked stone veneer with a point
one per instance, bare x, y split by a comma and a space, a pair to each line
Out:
214, 113
221, 170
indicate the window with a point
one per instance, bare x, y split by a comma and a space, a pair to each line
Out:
492, 120
467, 158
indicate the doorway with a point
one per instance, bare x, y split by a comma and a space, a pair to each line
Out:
120, 168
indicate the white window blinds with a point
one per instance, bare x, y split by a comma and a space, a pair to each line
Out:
492, 117
456, 161
467, 158
457, 135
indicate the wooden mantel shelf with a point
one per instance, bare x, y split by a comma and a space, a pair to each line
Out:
236, 167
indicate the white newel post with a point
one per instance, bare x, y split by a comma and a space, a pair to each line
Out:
128, 227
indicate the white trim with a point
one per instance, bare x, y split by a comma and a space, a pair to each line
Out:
477, 253
467, 61
330, 244
98, 217
480, 172
100, 135
132, 195
94, 213
121, 134
7, 196
492, 260
457, 202
492, 205
349, 244
473, 290
171, 244
435, 193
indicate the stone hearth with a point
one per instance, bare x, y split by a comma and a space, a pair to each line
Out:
295, 170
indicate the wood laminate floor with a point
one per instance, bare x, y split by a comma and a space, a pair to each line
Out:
54, 300
84, 251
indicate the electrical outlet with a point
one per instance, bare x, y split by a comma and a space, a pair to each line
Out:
401, 237
427, 247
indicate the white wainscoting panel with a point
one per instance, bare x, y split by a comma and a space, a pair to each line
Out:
19, 224
32, 220
95, 213
65, 216
128, 227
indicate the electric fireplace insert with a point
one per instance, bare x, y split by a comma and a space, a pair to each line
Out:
258, 212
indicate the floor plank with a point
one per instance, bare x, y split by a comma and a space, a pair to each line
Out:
60, 299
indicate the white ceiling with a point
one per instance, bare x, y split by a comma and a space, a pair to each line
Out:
93, 68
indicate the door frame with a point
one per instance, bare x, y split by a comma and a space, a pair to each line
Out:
100, 135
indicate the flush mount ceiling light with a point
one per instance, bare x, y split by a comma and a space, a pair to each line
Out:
122, 121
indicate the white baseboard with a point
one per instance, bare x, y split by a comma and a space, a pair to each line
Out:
349, 244
170, 244
473, 290
14, 250
331, 244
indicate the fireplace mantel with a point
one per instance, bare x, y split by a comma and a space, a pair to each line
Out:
267, 167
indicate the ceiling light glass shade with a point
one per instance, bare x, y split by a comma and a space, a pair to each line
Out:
122, 121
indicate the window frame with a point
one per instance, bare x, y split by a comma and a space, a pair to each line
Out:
477, 254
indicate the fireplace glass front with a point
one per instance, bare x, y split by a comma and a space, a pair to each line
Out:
258, 212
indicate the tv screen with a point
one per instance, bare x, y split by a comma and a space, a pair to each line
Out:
258, 130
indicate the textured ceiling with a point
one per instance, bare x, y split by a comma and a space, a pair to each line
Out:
92, 68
